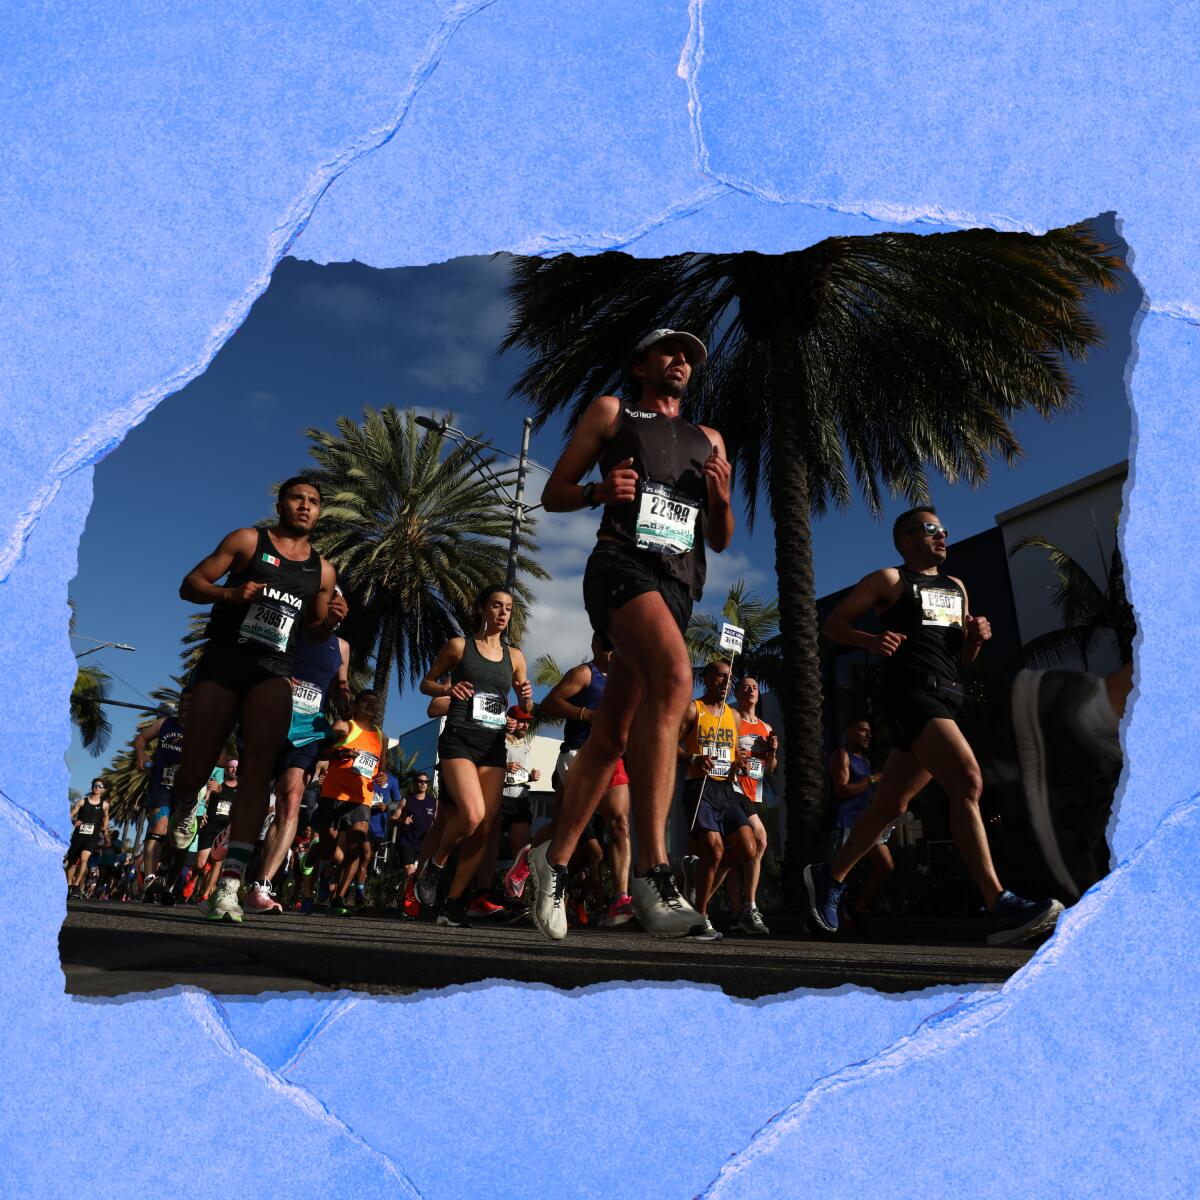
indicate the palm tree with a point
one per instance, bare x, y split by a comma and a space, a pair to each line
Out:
414, 534
87, 700
1089, 609
760, 655
852, 366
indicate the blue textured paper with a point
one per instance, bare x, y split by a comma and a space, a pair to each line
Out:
159, 161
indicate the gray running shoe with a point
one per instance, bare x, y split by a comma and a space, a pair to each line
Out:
659, 907
548, 893
751, 921
224, 905
427, 884
706, 933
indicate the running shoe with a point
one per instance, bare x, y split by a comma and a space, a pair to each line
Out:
454, 913
306, 906
183, 827
581, 913
150, 889
482, 906
751, 922
1069, 753
517, 874
166, 897
706, 933
260, 899
659, 907
427, 884
224, 905
548, 892
338, 907
620, 912
1016, 920
824, 896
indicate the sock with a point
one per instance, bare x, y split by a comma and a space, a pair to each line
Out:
236, 860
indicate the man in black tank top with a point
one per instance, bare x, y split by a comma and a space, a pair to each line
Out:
665, 491
928, 634
278, 590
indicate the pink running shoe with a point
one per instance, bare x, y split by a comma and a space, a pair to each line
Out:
259, 899
517, 874
620, 912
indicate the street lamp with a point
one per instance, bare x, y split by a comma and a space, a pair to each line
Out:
514, 503
101, 646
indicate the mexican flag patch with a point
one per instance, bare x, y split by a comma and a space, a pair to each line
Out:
271, 559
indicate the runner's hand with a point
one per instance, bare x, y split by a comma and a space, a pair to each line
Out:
718, 471
462, 690
524, 691
343, 702
886, 643
773, 743
979, 629
245, 593
338, 608
534, 775
620, 484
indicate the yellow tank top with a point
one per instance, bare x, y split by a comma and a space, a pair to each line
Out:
715, 736
352, 765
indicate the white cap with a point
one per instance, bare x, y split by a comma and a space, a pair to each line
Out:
661, 335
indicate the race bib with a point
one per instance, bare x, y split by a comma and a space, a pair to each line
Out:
366, 764
268, 625
224, 807
666, 520
721, 756
941, 606
87, 830
516, 778
754, 768
168, 776
306, 698
488, 709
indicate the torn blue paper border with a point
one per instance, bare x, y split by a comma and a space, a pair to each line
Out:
161, 162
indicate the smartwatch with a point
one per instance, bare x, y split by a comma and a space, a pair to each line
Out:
589, 494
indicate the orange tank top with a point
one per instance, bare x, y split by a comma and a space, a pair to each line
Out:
749, 733
353, 764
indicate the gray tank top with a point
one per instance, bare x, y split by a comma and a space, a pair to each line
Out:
486, 709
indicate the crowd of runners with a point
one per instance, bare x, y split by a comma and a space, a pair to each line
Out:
297, 812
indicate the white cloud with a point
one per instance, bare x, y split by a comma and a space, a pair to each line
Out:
347, 304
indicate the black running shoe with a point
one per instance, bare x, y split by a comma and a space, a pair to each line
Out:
454, 913
427, 884
1070, 766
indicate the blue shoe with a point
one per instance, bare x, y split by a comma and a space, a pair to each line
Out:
824, 896
1016, 920
306, 905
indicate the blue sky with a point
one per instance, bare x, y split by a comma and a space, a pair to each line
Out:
328, 340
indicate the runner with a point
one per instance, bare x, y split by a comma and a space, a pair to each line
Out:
665, 491
167, 733
718, 824
354, 764
575, 698
219, 807
278, 588
413, 819
471, 754
929, 633
89, 821
854, 787
320, 677
758, 756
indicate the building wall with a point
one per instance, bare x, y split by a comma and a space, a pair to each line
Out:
1080, 518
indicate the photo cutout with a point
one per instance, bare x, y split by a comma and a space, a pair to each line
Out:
737, 619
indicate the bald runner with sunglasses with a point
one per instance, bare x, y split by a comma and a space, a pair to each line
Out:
929, 634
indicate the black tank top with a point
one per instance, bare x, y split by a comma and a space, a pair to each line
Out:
575, 733
168, 750
269, 625
90, 814
668, 518
486, 709
930, 613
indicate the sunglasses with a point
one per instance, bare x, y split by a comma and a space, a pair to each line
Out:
422, 780
931, 528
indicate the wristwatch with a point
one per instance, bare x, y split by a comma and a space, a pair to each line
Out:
589, 494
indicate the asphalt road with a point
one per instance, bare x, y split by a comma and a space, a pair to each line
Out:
113, 949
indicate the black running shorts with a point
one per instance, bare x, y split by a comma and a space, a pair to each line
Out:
81, 843
912, 701
616, 574
347, 813
234, 668
482, 747
303, 758
720, 808
209, 833
515, 811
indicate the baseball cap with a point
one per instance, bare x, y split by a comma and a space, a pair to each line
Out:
695, 345
519, 714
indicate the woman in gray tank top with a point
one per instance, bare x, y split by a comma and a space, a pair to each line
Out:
471, 752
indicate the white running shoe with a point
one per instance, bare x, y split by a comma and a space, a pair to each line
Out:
548, 893
259, 899
705, 934
224, 905
183, 828
659, 907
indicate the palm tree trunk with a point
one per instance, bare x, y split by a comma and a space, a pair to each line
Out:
383, 663
801, 692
